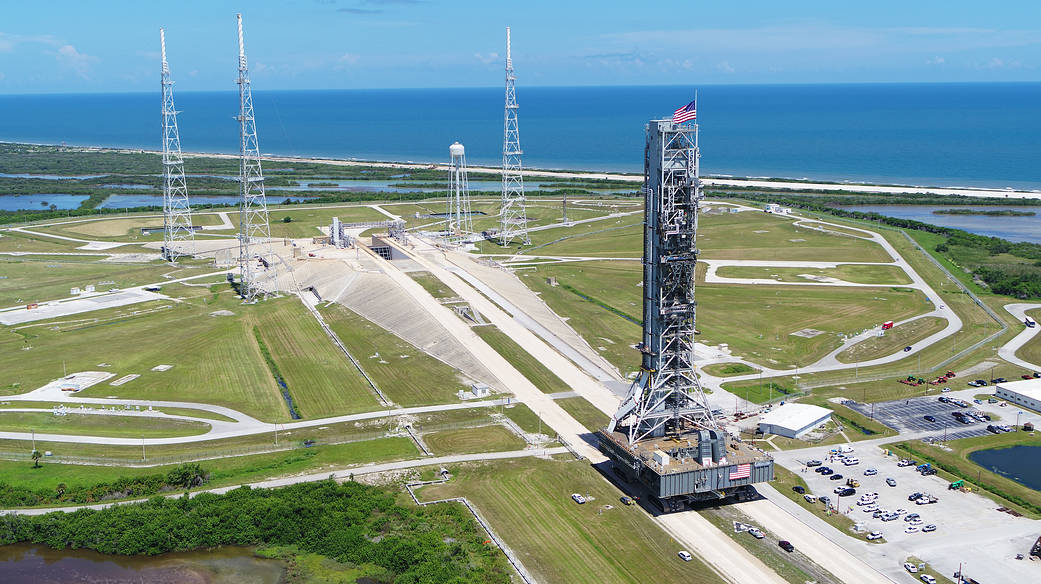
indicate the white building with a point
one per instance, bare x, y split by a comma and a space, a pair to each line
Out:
777, 209
1026, 393
793, 420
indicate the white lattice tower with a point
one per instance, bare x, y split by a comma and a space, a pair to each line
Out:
513, 217
258, 272
460, 223
178, 236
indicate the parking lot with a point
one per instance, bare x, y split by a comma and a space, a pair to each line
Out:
909, 416
968, 527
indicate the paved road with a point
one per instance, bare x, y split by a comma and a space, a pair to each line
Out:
1008, 350
343, 473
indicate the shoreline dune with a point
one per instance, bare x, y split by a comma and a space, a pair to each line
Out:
746, 182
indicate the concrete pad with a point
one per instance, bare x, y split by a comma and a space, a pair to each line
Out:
70, 307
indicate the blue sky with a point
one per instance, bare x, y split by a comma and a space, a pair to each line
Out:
66, 46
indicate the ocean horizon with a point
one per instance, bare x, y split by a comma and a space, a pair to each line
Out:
980, 135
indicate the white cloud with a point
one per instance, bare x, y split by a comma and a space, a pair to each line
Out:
79, 62
724, 67
487, 58
935, 61
349, 58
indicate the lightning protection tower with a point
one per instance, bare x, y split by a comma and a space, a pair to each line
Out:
254, 231
178, 235
460, 224
664, 433
513, 216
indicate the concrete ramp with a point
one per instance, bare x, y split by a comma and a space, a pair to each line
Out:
360, 286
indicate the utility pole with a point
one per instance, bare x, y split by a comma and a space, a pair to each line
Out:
34, 440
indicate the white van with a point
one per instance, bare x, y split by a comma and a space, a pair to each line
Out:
810, 498
851, 460
845, 448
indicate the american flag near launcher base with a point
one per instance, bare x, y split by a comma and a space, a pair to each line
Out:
686, 113
743, 471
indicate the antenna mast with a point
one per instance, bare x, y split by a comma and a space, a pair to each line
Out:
254, 230
177, 213
513, 216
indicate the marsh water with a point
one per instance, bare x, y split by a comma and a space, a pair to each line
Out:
42, 565
1003, 226
1018, 463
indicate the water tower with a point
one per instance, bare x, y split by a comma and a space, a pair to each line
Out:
460, 224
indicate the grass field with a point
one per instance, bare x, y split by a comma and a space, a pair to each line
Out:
858, 273
613, 282
216, 359
473, 440
432, 284
225, 471
99, 425
34, 279
762, 236
536, 372
895, 339
408, 376
768, 314
728, 369
528, 503
322, 381
1031, 351
584, 412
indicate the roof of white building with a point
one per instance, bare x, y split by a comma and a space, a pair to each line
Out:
794, 416
1030, 388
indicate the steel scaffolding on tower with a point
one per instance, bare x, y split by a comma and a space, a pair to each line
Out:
667, 395
460, 223
513, 215
178, 234
255, 260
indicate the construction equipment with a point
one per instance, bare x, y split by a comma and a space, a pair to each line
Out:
956, 485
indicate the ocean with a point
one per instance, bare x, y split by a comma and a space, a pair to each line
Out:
983, 135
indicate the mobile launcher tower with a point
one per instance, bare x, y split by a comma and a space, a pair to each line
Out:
664, 435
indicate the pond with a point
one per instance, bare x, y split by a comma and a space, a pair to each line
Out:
43, 565
1005, 227
40, 202
1019, 463
131, 201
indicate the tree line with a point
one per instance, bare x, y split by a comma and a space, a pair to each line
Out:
354, 524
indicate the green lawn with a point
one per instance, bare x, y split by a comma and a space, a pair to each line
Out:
895, 339
224, 471
756, 321
762, 236
99, 425
38, 279
1031, 352
408, 376
432, 284
857, 273
216, 359
536, 372
728, 369
473, 440
584, 412
528, 504
322, 381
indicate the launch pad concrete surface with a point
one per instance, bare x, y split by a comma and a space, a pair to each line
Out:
77, 305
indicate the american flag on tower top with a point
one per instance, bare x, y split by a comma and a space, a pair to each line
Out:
686, 113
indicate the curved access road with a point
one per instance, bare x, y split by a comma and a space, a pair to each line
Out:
1009, 349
